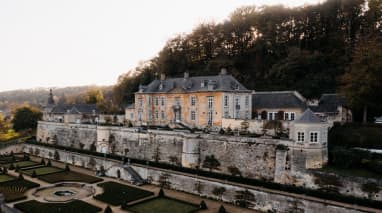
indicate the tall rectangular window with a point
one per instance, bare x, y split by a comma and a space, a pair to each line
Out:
247, 115
140, 102
156, 115
237, 102
210, 102
193, 100
292, 115
149, 100
247, 101
272, 115
193, 115
162, 101
209, 116
300, 137
156, 101
314, 137
286, 116
162, 115
225, 101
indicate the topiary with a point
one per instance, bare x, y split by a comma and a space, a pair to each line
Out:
34, 174
42, 161
11, 167
222, 209
67, 168
203, 205
5, 170
49, 163
21, 177
161, 193
108, 210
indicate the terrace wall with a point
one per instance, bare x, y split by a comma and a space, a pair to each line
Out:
265, 199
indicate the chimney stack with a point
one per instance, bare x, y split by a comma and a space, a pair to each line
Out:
223, 71
162, 76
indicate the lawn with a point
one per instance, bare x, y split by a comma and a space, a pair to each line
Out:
34, 206
5, 178
22, 164
14, 190
117, 194
69, 176
163, 205
41, 170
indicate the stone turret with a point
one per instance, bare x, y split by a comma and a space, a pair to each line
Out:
310, 135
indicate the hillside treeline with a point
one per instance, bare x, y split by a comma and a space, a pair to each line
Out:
307, 48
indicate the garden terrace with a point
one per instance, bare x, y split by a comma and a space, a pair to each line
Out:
163, 205
14, 190
5, 178
242, 180
69, 176
34, 206
41, 170
118, 194
22, 164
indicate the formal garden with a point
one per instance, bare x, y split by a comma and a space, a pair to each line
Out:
118, 194
133, 199
163, 205
34, 206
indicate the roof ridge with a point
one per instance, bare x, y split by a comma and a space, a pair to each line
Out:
274, 92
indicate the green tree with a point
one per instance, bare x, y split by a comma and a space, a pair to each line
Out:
94, 96
362, 83
26, 118
108, 210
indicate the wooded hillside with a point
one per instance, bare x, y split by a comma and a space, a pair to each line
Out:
307, 49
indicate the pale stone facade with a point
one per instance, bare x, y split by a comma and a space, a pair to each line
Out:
192, 101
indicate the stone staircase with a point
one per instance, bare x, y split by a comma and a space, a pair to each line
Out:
136, 178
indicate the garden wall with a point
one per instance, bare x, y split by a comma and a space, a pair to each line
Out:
258, 198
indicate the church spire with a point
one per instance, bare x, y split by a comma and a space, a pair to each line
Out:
50, 99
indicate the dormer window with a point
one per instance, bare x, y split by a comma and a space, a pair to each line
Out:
237, 87
204, 83
161, 86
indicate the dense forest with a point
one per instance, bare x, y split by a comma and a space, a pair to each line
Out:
312, 49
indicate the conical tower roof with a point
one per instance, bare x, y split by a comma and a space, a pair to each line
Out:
308, 117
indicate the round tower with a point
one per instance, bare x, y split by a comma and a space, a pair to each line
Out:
191, 152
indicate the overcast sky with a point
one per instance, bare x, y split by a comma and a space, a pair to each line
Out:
46, 43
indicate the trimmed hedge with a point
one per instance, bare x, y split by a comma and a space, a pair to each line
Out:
33, 206
14, 190
242, 180
118, 194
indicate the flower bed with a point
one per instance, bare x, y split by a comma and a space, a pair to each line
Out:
34, 206
69, 176
118, 194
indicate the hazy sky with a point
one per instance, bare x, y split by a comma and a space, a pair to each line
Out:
45, 43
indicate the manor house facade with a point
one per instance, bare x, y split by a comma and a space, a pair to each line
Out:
192, 101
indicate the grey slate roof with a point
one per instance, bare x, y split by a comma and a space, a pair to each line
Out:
308, 117
194, 84
278, 99
74, 108
329, 103
130, 106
